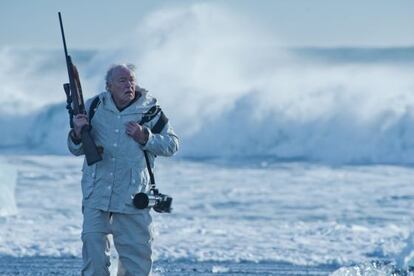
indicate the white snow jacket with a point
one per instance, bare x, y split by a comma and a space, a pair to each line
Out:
110, 184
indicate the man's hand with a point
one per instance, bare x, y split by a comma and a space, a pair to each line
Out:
139, 133
79, 121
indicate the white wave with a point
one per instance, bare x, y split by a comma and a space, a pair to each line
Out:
28, 81
230, 91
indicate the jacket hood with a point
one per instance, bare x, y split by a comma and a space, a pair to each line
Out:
141, 105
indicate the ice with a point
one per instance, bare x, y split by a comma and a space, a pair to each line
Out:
8, 178
219, 269
374, 268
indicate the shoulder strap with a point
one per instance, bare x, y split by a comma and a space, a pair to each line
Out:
160, 124
150, 114
92, 109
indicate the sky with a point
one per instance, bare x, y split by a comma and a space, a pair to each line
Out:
297, 23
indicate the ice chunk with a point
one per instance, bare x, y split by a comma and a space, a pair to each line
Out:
374, 268
8, 177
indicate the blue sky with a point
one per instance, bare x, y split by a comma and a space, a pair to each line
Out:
326, 23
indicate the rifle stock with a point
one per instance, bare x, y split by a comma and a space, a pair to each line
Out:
76, 105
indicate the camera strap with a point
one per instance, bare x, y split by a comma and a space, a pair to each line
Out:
156, 129
151, 174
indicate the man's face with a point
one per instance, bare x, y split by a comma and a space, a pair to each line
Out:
122, 86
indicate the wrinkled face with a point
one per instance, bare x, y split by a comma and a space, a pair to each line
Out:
122, 86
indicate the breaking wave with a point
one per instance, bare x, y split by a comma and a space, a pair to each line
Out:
231, 91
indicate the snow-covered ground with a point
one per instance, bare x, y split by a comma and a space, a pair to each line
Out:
294, 213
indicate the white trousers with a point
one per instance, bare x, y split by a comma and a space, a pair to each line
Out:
132, 239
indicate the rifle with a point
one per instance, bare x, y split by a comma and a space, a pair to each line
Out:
75, 105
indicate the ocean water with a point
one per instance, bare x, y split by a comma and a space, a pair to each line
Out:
293, 161
335, 106
233, 83
256, 218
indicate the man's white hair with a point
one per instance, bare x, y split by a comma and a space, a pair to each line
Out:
111, 70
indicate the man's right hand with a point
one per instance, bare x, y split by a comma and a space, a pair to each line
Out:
79, 121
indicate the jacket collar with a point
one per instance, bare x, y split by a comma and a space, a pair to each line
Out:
140, 106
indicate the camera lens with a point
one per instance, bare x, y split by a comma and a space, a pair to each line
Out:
141, 200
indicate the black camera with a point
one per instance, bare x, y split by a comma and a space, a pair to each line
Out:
159, 202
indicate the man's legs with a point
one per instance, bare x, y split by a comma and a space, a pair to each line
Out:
95, 249
132, 239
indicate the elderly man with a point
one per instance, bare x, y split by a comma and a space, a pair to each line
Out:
109, 185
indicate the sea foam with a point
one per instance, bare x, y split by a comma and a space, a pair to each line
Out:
231, 90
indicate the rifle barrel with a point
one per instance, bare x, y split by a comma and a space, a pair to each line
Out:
63, 34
